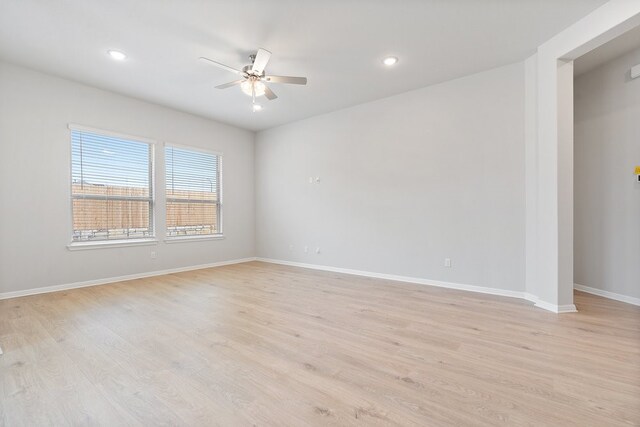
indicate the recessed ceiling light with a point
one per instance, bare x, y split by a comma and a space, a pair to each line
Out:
390, 60
117, 55
257, 107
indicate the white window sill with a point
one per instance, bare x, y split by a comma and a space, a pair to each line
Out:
181, 239
102, 244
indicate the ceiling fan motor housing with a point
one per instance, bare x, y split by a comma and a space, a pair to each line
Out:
247, 70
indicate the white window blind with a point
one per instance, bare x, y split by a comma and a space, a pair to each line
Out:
193, 192
111, 189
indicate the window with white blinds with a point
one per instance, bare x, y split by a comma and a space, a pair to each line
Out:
112, 188
193, 192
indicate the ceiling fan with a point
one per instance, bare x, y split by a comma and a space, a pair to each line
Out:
253, 76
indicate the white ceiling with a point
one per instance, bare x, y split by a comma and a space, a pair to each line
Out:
619, 46
337, 44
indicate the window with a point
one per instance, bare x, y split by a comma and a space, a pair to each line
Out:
111, 189
193, 192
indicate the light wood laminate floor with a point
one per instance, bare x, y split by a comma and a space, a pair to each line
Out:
262, 344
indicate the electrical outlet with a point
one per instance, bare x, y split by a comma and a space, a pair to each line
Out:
154, 255
447, 262
318, 250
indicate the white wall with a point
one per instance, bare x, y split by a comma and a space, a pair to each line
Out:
35, 222
607, 194
405, 182
531, 168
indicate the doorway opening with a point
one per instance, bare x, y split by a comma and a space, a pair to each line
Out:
606, 160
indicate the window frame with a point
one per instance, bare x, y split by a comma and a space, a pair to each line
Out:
219, 204
104, 243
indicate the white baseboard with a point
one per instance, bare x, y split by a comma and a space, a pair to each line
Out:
56, 288
449, 285
607, 294
569, 308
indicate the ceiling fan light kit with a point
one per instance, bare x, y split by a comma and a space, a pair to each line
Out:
253, 87
253, 78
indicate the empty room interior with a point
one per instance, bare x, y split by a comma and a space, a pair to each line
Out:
291, 213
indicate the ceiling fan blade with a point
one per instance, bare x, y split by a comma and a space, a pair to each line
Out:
269, 94
262, 57
226, 85
219, 65
286, 79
